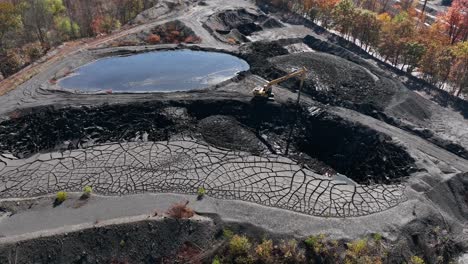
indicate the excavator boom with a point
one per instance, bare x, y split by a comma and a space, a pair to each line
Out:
266, 90
287, 77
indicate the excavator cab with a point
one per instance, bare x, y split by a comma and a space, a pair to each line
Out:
265, 92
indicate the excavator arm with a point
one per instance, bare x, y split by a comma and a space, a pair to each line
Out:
301, 72
266, 90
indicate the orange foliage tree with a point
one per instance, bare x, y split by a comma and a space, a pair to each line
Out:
395, 34
459, 69
320, 10
153, 39
435, 62
456, 21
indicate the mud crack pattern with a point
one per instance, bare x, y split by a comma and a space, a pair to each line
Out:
185, 165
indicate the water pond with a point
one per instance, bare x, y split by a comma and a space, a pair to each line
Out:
158, 71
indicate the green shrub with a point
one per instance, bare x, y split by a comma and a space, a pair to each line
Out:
227, 233
377, 237
10, 63
290, 252
416, 260
362, 252
61, 196
316, 243
87, 190
244, 260
357, 248
239, 245
216, 260
201, 192
264, 251
34, 51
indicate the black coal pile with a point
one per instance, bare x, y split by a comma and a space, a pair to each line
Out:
227, 132
340, 78
49, 129
234, 25
257, 55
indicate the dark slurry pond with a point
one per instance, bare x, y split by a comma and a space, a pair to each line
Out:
158, 71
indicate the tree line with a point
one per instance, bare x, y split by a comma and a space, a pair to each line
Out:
29, 28
399, 34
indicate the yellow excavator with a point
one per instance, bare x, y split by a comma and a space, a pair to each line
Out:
266, 91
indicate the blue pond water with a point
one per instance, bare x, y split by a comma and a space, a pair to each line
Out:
159, 71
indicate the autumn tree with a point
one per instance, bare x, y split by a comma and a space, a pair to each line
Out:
459, 69
153, 39
406, 5
104, 24
384, 18
55, 7
436, 61
383, 6
371, 5
366, 28
436, 64
82, 13
456, 21
9, 20
37, 18
66, 28
394, 36
310, 9
343, 16
412, 53
320, 10
130, 9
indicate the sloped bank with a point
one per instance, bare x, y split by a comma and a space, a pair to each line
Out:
202, 239
156, 240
